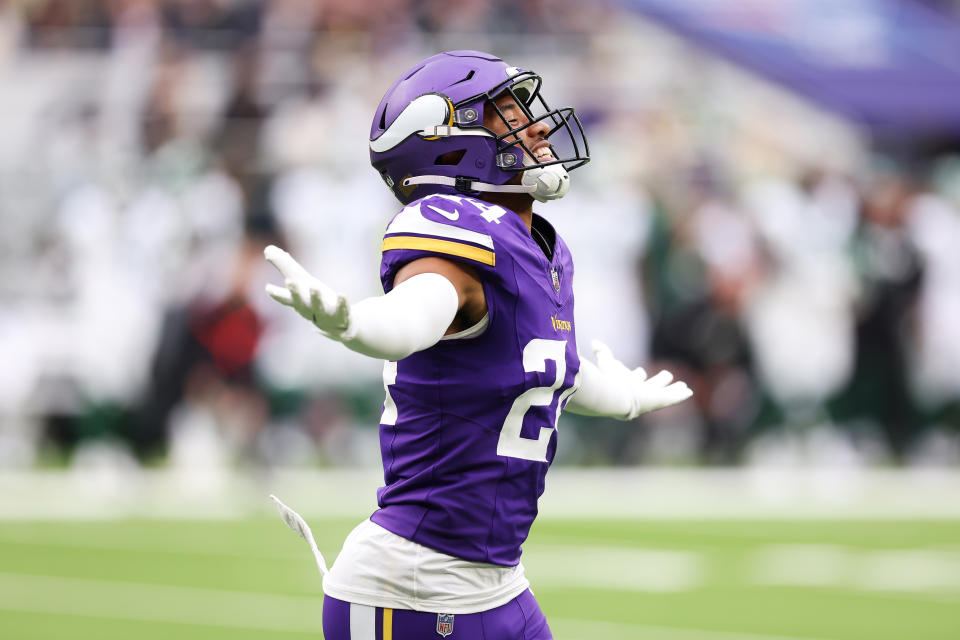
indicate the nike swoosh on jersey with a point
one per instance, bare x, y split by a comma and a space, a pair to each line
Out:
446, 214
411, 220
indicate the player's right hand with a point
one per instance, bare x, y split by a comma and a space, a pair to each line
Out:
311, 298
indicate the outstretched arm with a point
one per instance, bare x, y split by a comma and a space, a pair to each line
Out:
609, 388
412, 317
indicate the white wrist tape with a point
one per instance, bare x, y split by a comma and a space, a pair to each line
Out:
412, 317
600, 395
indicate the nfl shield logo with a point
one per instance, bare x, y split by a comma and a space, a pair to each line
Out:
556, 279
444, 624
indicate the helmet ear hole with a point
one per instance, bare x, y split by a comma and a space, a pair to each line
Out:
450, 157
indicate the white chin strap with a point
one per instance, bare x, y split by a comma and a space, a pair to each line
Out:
542, 183
471, 185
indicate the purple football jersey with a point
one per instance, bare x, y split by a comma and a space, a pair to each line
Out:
469, 425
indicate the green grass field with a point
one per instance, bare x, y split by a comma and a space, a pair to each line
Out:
670, 580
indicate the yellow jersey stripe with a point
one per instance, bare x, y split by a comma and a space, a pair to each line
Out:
388, 624
440, 246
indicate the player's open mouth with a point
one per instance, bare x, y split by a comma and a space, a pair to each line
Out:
543, 152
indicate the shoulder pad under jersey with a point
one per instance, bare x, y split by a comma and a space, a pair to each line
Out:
454, 227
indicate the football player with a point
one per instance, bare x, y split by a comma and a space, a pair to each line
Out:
477, 330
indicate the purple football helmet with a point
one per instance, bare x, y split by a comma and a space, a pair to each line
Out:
428, 134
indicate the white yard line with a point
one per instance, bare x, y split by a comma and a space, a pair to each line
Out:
263, 611
137, 545
576, 629
752, 493
159, 603
893, 571
143, 602
930, 573
619, 568
625, 568
788, 494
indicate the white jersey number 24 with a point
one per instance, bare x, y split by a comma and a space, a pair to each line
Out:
511, 443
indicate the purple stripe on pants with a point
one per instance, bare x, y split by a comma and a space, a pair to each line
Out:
519, 619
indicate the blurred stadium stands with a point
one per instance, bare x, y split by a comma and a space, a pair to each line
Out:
795, 264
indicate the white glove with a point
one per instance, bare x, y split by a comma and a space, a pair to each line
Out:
412, 317
609, 388
311, 298
646, 394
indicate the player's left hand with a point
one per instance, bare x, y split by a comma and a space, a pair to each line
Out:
646, 394
311, 298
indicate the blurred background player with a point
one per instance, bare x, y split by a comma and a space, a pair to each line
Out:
477, 327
